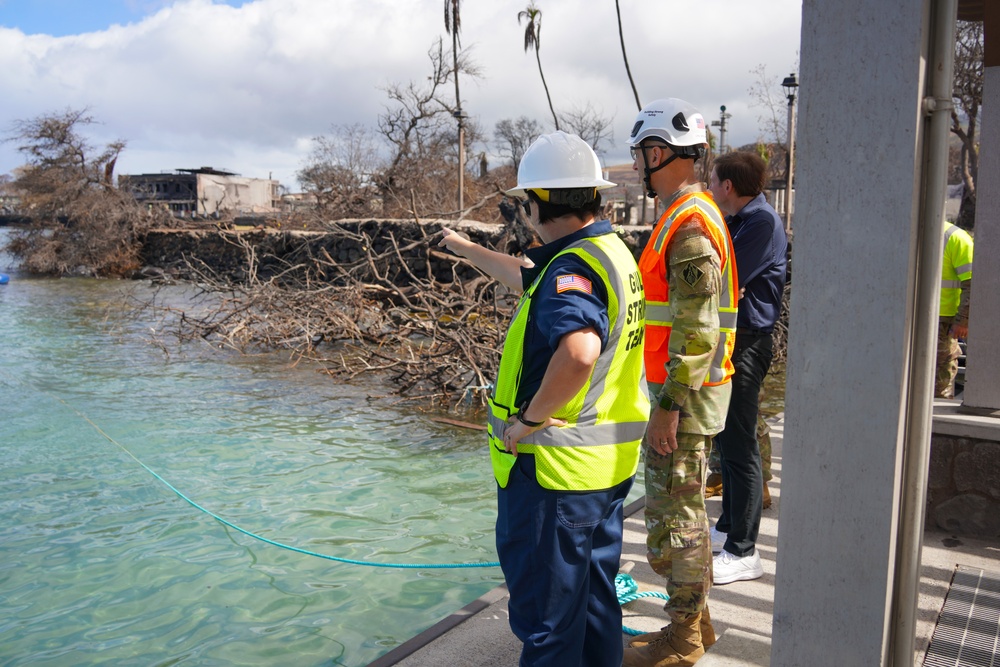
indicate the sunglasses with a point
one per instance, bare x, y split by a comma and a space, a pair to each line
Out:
526, 205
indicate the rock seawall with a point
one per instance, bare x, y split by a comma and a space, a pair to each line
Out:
229, 252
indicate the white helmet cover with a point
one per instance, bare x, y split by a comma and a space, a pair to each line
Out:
558, 161
671, 120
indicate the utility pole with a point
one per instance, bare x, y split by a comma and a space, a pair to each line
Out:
721, 124
790, 84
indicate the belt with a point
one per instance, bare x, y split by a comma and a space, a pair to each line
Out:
740, 331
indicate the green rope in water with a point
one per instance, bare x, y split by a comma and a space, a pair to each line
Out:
218, 518
627, 591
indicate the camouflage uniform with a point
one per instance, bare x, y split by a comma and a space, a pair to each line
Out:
948, 352
764, 443
678, 541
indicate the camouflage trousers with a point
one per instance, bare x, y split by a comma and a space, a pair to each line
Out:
763, 442
948, 353
678, 544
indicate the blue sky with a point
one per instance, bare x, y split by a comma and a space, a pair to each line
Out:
247, 86
72, 17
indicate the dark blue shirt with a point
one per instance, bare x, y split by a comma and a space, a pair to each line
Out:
761, 261
555, 313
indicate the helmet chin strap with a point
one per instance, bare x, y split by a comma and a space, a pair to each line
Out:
650, 192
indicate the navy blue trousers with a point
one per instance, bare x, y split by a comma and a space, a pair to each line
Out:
739, 451
560, 553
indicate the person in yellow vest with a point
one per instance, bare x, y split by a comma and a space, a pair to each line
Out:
568, 411
689, 275
956, 291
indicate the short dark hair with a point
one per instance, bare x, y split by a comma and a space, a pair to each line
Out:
747, 172
549, 211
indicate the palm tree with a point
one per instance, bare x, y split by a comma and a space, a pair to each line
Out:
621, 36
532, 39
453, 25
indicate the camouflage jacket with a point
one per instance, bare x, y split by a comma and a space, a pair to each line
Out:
695, 331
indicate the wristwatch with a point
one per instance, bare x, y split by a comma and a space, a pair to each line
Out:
667, 403
524, 420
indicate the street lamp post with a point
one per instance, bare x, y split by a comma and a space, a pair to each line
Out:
790, 84
721, 124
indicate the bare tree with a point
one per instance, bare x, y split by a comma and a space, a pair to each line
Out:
339, 172
770, 104
81, 223
628, 70
772, 139
591, 126
968, 97
533, 40
514, 136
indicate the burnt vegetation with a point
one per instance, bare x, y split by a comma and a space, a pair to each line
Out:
387, 302
80, 223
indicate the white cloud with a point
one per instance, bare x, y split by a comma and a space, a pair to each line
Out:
199, 84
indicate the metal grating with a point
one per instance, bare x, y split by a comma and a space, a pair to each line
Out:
968, 630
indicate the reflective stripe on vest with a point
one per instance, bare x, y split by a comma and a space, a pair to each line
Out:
598, 447
660, 314
951, 276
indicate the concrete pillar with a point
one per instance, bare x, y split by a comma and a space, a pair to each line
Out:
982, 390
862, 81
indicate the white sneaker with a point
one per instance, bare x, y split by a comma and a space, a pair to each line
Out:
727, 568
718, 540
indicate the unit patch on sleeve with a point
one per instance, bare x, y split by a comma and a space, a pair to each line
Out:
573, 281
692, 274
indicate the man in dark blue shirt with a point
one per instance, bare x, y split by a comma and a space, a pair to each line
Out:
760, 245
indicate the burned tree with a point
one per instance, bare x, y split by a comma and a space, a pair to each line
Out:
81, 223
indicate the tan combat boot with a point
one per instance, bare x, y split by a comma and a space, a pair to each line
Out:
679, 645
707, 633
767, 497
713, 485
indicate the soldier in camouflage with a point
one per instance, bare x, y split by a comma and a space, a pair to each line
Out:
690, 284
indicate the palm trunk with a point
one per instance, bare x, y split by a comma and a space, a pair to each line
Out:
546, 86
621, 37
461, 129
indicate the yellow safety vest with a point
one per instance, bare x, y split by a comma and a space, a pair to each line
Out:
956, 267
598, 447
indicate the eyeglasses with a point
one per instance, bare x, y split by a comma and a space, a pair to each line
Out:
526, 205
634, 150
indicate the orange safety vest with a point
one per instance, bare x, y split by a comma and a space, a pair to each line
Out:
659, 314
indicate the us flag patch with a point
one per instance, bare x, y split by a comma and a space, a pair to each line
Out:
573, 282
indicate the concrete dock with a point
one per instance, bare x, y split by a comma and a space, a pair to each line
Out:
479, 635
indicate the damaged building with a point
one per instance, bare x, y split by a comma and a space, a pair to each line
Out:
204, 192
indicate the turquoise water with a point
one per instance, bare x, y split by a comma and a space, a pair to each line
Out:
101, 563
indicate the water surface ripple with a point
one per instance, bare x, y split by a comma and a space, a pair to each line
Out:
100, 563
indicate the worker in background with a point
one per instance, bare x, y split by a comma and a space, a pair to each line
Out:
737, 184
568, 411
689, 276
956, 292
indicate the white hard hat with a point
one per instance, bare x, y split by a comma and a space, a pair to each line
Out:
671, 120
558, 161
